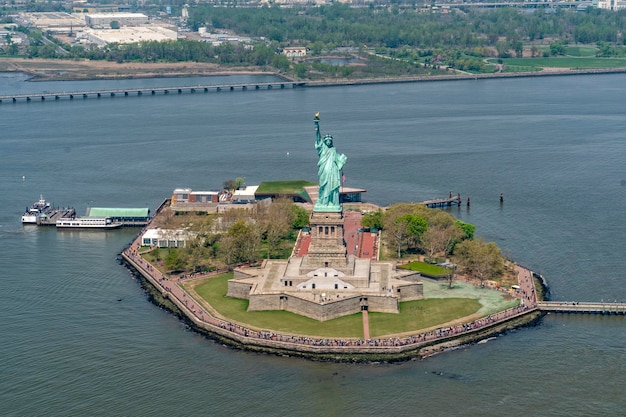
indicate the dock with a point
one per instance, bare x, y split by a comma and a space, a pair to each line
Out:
55, 214
443, 202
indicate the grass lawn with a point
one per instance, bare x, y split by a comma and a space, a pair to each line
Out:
565, 62
421, 314
427, 269
154, 255
214, 292
283, 187
414, 315
583, 51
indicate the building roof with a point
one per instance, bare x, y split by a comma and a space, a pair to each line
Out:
167, 234
249, 190
204, 192
117, 212
116, 15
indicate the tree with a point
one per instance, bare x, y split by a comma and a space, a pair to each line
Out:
301, 70
234, 184
276, 222
479, 259
173, 261
407, 230
557, 48
373, 219
300, 217
240, 243
280, 62
468, 229
439, 239
115, 24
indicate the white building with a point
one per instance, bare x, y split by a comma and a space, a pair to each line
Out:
294, 51
165, 238
103, 20
247, 195
612, 4
128, 35
56, 22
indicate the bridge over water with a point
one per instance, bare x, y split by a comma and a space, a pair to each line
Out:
71, 95
586, 307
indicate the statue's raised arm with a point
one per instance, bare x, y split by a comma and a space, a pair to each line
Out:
329, 171
318, 135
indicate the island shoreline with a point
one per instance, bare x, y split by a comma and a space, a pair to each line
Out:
166, 299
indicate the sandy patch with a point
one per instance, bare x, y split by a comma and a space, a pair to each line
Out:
44, 69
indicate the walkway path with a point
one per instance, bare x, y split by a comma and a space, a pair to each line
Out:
366, 325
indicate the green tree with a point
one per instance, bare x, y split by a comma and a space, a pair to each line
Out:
373, 219
173, 262
301, 70
301, 217
479, 259
439, 239
115, 24
240, 243
468, 229
407, 231
276, 221
280, 62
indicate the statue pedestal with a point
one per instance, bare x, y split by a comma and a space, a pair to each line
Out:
327, 248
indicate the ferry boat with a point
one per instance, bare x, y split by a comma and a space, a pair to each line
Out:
32, 213
104, 223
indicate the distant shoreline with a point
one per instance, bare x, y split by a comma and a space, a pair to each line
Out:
68, 70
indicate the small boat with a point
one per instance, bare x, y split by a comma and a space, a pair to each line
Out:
33, 212
103, 223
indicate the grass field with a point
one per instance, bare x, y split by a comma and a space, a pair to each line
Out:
581, 51
214, 292
564, 62
414, 315
421, 314
283, 187
427, 269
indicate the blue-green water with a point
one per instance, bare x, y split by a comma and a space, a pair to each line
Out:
78, 336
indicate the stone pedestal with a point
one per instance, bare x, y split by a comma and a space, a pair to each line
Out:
327, 248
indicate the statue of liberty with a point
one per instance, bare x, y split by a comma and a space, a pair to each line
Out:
329, 171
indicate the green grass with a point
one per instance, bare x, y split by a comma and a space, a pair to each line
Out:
413, 316
214, 292
581, 51
566, 62
426, 269
283, 187
421, 314
155, 255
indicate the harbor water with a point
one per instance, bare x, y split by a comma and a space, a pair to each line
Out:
80, 338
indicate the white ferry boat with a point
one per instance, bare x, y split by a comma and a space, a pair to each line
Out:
87, 223
32, 213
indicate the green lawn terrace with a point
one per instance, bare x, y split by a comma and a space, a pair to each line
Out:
293, 189
302, 191
441, 306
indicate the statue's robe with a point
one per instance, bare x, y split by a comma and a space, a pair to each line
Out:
329, 173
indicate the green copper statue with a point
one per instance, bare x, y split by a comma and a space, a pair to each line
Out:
329, 171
